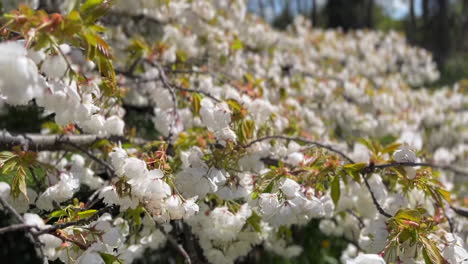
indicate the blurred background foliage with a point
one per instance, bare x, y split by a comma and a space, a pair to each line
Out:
440, 26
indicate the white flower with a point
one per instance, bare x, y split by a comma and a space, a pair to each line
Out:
268, 203
33, 220
190, 207
91, 258
134, 168
360, 153
175, 207
19, 78
51, 243
55, 66
412, 138
443, 157
329, 227
95, 125
295, 158
454, 252
373, 237
114, 125
290, 188
404, 154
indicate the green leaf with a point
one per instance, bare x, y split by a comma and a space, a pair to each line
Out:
196, 104
6, 155
254, 221
255, 195
92, 10
400, 171
110, 259
355, 167
387, 139
18, 184
237, 44
90, 4
58, 214
444, 194
74, 16
100, 143
246, 130
335, 189
269, 188
391, 148
87, 213
409, 215
234, 105
431, 251
9, 165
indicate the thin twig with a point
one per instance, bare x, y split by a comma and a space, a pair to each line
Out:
374, 200
55, 227
106, 165
176, 245
460, 211
424, 164
163, 78
16, 227
33, 236
307, 141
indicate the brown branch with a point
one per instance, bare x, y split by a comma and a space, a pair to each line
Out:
176, 87
16, 227
176, 245
88, 153
40, 142
34, 237
163, 78
415, 164
310, 142
460, 211
374, 200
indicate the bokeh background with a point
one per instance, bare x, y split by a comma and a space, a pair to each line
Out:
440, 26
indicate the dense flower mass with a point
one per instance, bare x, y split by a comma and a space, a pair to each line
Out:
253, 132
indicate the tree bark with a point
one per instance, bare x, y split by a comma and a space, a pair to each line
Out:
442, 41
370, 14
313, 13
465, 25
412, 22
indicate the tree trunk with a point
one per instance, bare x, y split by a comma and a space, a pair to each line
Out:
313, 13
412, 23
465, 25
442, 41
425, 12
370, 14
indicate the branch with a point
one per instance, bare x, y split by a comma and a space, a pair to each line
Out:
314, 143
163, 78
39, 142
176, 245
34, 237
16, 227
55, 227
415, 164
88, 153
374, 200
460, 211
176, 87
